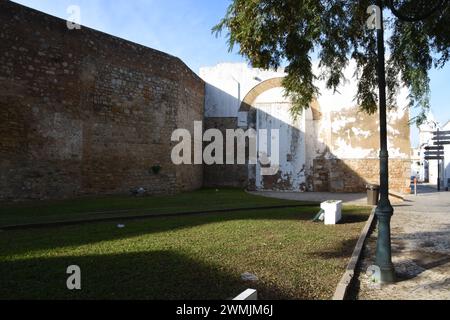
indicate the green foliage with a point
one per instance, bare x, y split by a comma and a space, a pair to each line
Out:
272, 32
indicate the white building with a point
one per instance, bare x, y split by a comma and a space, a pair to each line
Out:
429, 169
416, 164
332, 146
446, 163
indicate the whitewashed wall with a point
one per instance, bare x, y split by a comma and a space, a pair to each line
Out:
425, 138
340, 132
229, 83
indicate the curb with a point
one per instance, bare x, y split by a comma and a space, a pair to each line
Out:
397, 195
347, 278
141, 217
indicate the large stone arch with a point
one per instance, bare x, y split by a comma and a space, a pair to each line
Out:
253, 94
284, 180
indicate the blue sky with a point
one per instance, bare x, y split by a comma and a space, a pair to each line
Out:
183, 28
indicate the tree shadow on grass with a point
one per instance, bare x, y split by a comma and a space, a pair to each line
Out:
48, 211
159, 274
25, 241
345, 250
152, 275
350, 218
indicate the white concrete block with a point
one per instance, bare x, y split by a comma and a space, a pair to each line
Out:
247, 295
333, 211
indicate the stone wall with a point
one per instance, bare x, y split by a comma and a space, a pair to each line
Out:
225, 175
352, 175
83, 112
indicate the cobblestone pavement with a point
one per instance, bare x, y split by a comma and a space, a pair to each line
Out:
420, 251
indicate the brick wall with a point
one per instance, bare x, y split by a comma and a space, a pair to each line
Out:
82, 112
225, 175
352, 175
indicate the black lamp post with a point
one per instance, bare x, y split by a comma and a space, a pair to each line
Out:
384, 210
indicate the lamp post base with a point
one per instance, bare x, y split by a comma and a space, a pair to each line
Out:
387, 275
382, 276
383, 260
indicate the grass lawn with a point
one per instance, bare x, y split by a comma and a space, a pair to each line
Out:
190, 257
116, 206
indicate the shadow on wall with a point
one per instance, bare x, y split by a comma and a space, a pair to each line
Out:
320, 171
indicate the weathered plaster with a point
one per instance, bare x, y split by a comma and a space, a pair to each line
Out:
291, 147
333, 128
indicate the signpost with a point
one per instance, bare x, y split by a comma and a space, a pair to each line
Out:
441, 143
441, 138
436, 152
442, 133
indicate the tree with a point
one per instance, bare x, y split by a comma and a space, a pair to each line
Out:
273, 32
